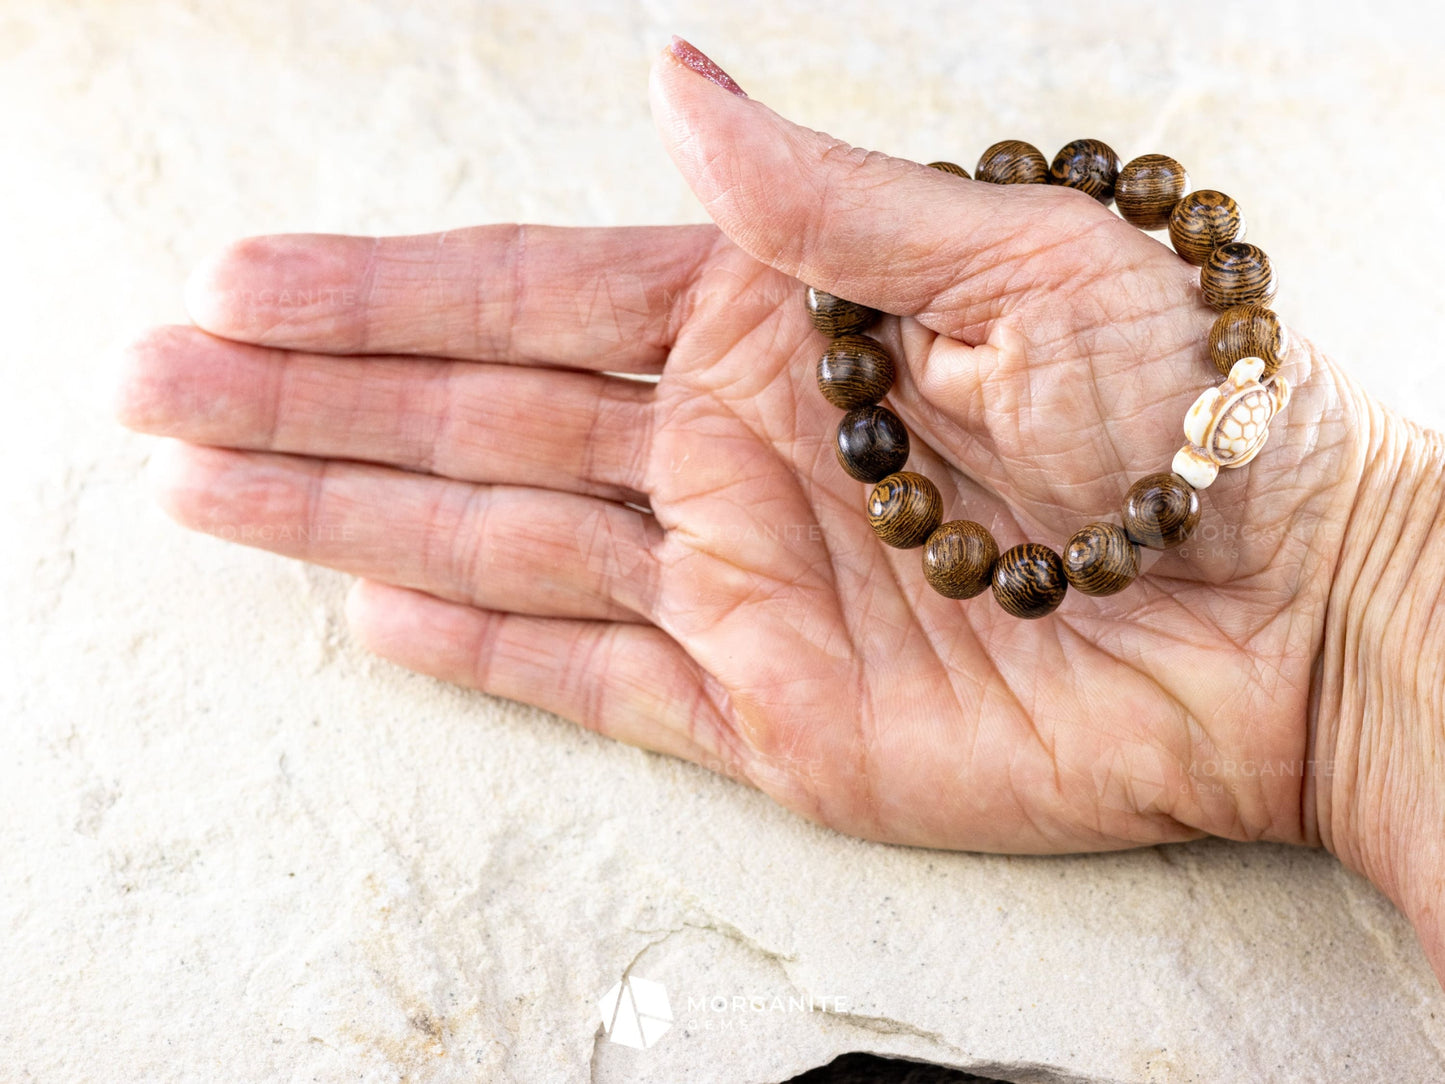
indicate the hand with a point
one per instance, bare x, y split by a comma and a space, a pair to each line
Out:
437, 415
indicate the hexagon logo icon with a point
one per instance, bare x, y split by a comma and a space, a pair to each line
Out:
635, 1012
613, 308
601, 547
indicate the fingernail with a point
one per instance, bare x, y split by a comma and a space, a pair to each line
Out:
699, 62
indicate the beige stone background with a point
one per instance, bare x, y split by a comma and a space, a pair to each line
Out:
234, 849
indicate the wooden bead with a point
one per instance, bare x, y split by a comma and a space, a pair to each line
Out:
1202, 221
1101, 559
1248, 331
1161, 510
833, 316
1090, 165
1029, 580
949, 167
1148, 189
872, 443
904, 509
958, 559
1012, 161
854, 371
1238, 274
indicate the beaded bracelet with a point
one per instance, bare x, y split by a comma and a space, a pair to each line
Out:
1226, 426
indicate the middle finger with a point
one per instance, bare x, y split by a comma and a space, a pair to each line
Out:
471, 421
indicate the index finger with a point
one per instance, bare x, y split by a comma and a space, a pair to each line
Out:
592, 298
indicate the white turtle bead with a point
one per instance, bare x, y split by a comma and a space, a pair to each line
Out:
1201, 416
1228, 424
1246, 371
1279, 389
1196, 468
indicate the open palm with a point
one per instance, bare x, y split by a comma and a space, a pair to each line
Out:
683, 564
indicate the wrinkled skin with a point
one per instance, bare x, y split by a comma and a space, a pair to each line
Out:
435, 415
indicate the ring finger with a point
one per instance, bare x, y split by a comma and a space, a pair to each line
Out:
501, 547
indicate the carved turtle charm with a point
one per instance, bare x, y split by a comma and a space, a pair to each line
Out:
1228, 424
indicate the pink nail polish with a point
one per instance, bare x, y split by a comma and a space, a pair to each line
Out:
699, 62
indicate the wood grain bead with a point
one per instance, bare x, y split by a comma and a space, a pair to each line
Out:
872, 443
1012, 161
904, 509
1248, 331
1202, 221
1161, 510
855, 371
1090, 165
1029, 580
833, 316
1148, 189
959, 558
1237, 274
1101, 559
949, 167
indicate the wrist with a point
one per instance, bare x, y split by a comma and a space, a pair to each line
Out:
1377, 703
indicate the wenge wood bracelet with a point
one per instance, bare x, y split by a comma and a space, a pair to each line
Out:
1226, 427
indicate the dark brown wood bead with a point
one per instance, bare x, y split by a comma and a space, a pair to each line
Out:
1012, 161
1090, 165
958, 559
1101, 559
1248, 331
872, 443
1029, 580
833, 316
854, 371
1148, 189
1238, 274
1161, 510
904, 509
1202, 221
949, 167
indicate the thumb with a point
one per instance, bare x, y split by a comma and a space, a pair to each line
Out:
888, 233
